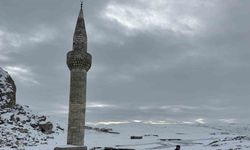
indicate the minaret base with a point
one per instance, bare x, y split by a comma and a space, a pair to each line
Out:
71, 148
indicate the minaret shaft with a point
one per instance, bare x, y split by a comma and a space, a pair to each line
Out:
77, 107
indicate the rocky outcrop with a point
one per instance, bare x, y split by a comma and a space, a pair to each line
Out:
7, 90
46, 127
136, 137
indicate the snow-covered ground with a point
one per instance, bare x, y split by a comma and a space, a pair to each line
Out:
163, 136
189, 136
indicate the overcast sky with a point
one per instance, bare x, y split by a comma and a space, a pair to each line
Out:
152, 59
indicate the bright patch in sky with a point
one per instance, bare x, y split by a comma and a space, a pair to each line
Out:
150, 18
9, 39
231, 120
42, 34
22, 74
200, 120
99, 105
160, 122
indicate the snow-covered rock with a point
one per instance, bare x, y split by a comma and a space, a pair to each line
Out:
19, 126
7, 90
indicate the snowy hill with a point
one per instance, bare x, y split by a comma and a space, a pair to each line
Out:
19, 126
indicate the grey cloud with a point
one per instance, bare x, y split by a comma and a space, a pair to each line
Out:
145, 66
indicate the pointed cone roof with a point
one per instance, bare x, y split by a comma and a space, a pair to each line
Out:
80, 35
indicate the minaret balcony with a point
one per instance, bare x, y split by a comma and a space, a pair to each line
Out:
79, 60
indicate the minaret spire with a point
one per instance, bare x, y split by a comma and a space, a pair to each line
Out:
80, 35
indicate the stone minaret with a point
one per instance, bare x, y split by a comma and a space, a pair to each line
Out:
79, 62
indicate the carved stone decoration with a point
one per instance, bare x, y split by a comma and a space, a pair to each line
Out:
78, 60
